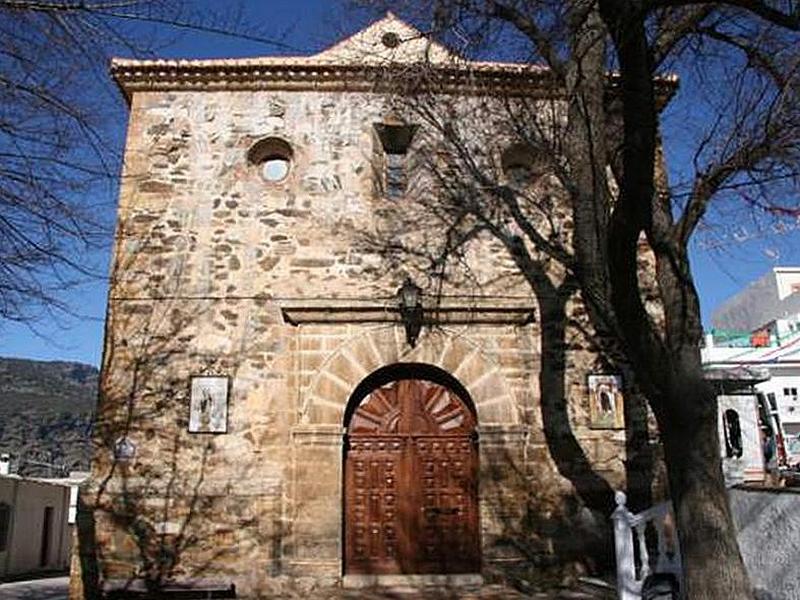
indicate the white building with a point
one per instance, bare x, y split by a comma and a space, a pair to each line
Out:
781, 389
770, 305
759, 329
34, 532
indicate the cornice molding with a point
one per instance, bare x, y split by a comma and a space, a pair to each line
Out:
137, 76
464, 79
485, 310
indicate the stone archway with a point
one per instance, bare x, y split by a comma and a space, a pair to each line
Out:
347, 367
317, 490
411, 476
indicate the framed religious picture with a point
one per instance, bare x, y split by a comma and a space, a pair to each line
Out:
605, 402
208, 404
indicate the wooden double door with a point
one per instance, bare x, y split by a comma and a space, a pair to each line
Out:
411, 466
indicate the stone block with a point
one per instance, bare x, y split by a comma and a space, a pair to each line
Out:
344, 369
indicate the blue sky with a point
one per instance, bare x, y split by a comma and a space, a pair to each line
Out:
305, 27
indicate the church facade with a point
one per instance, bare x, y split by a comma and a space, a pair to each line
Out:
278, 400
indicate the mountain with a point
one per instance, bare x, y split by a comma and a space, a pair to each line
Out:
46, 414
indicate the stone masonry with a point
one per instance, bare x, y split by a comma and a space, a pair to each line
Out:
218, 271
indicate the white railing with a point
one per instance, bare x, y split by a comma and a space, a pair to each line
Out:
645, 543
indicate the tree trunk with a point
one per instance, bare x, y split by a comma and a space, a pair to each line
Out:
712, 563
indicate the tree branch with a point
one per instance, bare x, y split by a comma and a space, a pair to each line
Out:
761, 9
532, 30
677, 26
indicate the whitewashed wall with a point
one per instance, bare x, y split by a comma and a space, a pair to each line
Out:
28, 499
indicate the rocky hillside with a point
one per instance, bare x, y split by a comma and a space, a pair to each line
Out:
46, 411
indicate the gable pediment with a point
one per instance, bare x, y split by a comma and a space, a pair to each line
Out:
388, 41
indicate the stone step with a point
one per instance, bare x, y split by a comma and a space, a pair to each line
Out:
599, 589
458, 581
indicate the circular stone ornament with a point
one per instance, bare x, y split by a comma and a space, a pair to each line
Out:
390, 39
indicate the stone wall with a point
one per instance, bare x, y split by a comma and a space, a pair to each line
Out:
210, 262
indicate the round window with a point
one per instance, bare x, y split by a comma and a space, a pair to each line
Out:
273, 157
521, 165
275, 168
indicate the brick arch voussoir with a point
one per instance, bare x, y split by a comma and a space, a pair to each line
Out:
454, 352
466, 360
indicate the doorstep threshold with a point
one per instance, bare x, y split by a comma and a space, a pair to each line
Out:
456, 580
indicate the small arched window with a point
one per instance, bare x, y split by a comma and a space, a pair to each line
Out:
733, 434
273, 156
395, 135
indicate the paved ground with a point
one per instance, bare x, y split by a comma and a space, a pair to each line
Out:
486, 592
55, 588
402, 593
52, 588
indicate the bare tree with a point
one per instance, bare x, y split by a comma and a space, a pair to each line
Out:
594, 200
61, 134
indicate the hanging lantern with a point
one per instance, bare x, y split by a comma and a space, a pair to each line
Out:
409, 299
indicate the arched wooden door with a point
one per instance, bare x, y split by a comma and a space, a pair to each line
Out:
411, 494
